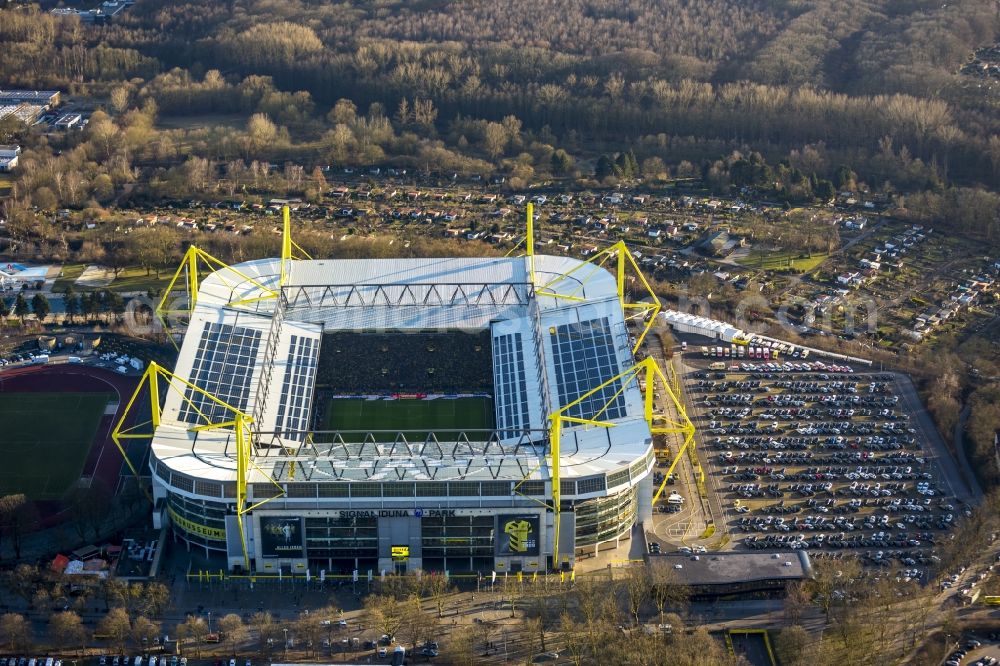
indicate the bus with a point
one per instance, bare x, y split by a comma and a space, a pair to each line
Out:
718, 365
991, 600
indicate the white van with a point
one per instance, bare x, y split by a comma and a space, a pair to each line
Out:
675, 498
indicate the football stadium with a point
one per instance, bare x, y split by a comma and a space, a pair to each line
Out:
456, 414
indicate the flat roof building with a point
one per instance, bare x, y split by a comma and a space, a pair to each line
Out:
737, 573
47, 98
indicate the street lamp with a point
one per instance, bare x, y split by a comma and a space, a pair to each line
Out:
286, 640
209, 621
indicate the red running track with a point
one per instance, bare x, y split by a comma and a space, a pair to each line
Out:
104, 461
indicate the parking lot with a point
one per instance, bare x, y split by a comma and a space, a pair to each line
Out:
820, 455
976, 649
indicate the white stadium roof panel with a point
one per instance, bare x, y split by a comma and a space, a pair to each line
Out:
495, 270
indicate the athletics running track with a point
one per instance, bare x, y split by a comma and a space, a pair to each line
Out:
104, 461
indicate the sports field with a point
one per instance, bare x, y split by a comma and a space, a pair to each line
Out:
415, 417
45, 439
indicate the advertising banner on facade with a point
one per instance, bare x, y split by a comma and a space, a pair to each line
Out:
517, 535
281, 537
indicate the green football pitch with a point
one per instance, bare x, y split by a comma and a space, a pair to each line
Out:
414, 417
45, 439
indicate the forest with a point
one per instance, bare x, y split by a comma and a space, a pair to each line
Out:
798, 90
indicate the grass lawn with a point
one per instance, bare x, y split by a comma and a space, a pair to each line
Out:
70, 272
415, 417
133, 278
46, 439
778, 260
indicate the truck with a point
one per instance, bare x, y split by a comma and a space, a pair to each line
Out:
398, 656
704, 350
718, 352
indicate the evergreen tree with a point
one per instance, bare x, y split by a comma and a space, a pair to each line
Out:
632, 164
605, 168
92, 304
21, 308
621, 166
72, 305
824, 190
115, 304
40, 306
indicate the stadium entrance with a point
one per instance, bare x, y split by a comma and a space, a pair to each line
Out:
400, 540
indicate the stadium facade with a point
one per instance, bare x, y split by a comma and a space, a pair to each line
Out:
284, 486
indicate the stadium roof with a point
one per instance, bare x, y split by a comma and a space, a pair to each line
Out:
226, 348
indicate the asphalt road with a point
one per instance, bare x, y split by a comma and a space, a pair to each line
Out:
956, 475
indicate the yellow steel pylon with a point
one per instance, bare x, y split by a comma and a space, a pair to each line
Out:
631, 309
196, 260
288, 247
529, 241
646, 373
240, 424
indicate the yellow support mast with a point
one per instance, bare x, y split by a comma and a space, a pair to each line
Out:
625, 264
555, 432
649, 371
288, 247
240, 424
196, 260
529, 241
